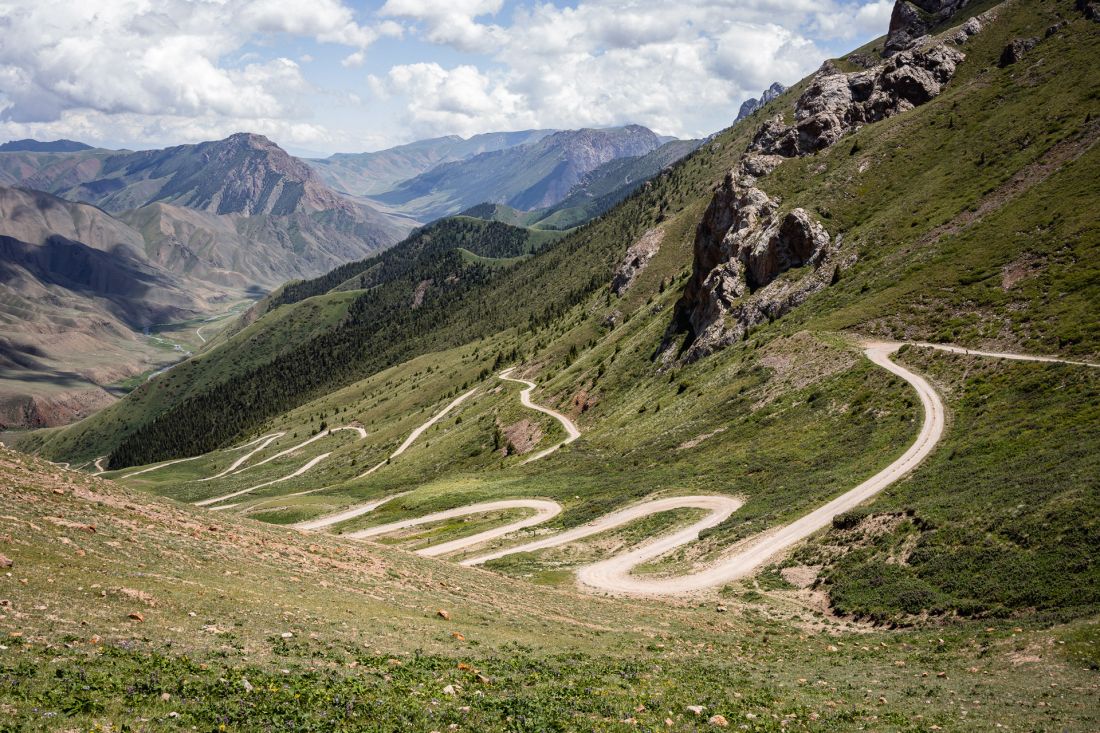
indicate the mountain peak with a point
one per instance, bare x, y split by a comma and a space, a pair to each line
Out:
751, 105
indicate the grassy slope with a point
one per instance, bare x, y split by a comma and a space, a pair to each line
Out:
848, 418
279, 331
1003, 519
219, 597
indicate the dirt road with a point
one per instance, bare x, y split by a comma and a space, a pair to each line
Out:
544, 511
420, 431
525, 398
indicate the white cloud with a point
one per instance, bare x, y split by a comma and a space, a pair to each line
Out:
452, 22
682, 68
173, 58
461, 100
353, 60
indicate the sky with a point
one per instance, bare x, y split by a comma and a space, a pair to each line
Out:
325, 76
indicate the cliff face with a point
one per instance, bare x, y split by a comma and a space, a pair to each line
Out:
912, 19
746, 241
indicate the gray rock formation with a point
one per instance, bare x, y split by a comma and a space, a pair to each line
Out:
742, 246
637, 257
745, 242
1016, 50
913, 19
751, 105
836, 103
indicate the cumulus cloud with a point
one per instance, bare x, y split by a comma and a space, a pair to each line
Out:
453, 22
72, 61
461, 100
682, 68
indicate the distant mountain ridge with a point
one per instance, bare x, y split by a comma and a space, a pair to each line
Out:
365, 174
527, 177
597, 191
240, 206
751, 105
38, 146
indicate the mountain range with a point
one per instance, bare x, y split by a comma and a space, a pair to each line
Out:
800, 434
366, 174
525, 177
203, 227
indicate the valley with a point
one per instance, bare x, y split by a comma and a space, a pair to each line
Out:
791, 427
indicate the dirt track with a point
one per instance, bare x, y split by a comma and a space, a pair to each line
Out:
525, 399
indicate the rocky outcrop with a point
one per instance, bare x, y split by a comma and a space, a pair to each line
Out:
745, 241
637, 258
742, 245
913, 19
836, 103
751, 105
1016, 50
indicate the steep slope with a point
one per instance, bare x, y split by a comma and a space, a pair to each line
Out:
532, 176
236, 210
596, 193
76, 291
367, 174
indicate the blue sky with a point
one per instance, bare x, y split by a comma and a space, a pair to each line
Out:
337, 76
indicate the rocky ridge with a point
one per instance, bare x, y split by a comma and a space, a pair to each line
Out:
913, 19
745, 241
751, 105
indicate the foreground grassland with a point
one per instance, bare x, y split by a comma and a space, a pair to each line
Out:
248, 627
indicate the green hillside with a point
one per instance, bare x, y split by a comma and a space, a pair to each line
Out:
715, 335
908, 227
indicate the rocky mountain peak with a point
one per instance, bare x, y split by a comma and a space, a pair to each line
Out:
245, 174
751, 105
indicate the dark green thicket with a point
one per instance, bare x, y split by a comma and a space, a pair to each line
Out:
407, 259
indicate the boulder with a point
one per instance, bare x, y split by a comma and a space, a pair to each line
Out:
1016, 50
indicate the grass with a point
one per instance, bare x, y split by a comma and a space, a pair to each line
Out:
1001, 520
332, 634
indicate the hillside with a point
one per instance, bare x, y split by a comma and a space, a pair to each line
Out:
366, 174
532, 176
596, 193
315, 334
238, 210
77, 291
175, 240
198, 619
800, 435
